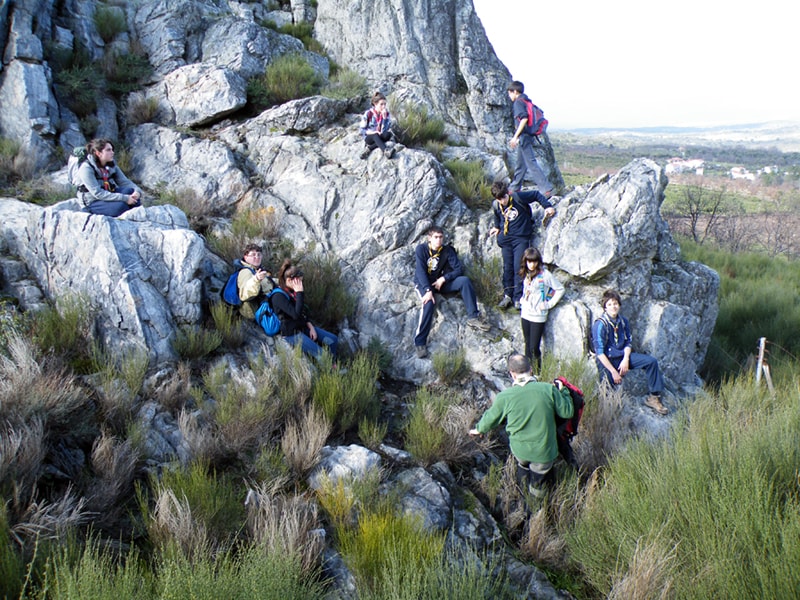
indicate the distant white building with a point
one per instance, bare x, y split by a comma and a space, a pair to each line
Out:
742, 173
681, 165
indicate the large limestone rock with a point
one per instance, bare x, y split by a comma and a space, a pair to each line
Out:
201, 93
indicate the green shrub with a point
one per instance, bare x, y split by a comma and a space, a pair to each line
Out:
425, 437
12, 566
193, 342
486, 274
416, 126
44, 191
125, 73
470, 183
63, 330
451, 367
329, 298
228, 324
345, 85
198, 209
287, 78
110, 21
80, 86
345, 397
372, 432
378, 349
140, 108
15, 163
253, 225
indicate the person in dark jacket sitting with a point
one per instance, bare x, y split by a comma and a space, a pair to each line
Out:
296, 328
103, 188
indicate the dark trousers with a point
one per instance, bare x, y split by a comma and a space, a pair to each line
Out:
377, 140
512, 249
532, 333
112, 208
655, 382
459, 284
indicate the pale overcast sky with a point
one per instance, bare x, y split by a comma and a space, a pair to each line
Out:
626, 63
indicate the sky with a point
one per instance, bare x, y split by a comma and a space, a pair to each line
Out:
627, 63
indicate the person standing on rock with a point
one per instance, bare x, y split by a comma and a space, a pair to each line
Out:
376, 127
541, 291
252, 282
513, 226
529, 408
611, 336
102, 186
523, 141
438, 269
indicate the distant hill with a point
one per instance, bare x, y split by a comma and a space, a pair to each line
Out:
782, 135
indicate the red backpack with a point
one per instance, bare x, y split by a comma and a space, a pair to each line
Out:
537, 124
568, 428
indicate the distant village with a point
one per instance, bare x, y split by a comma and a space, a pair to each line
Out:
697, 166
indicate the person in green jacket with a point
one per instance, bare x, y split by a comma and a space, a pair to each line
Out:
529, 408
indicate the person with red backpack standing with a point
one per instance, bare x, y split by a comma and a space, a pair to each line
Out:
529, 123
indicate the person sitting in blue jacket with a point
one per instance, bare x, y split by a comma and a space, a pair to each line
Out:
611, 335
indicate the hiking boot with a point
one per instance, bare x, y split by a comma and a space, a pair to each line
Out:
422, 351
479, 324
654, 402
365, 153
389, 152
505, 302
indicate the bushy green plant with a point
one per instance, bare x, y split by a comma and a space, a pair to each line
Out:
328, 296
425, 437
63, 330
125, 72
346, 396
450, 367
193, 342
110, 21
734, 454
44, 191
486, 274
416, 126
345, 85
12, 566
470, 183
228, 324
380, 351
198, 209
286, 78
372, 432
15, 163
140, 108
253, 225
80, 86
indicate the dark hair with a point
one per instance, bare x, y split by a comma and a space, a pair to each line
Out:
252, 248
288, 271
97, 145
610, 295
435, 229
530, 254
499, 189
519, 364
377, 97
516, 86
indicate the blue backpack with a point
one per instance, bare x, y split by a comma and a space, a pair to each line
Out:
266, 316
230, 291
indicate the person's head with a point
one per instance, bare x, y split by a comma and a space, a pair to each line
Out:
379, 100
435, 237
102, 150
289, 274
611, 302
531, 262
252, 255
518, 364
515, 89
500, 191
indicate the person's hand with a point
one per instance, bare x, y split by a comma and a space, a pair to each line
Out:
513, 142
132, 199
616, 376
260, 274
438, 283
624, 366
494, 231
312, 333
296, 283
428, 297
549, 212
474, 431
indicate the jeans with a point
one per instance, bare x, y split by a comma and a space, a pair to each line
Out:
312, 348
655, 382
113, 208
512, 249
461, 284
528, 167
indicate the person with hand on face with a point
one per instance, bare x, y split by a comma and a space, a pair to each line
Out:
513, 226
376, 127
529, 409
439, 269
253, 282
611, 335
102, 186
296, 327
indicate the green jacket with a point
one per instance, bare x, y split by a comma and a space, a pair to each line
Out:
529, 412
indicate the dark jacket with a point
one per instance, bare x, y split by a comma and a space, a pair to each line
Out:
291, 311
430, 266
516, 220
608, 341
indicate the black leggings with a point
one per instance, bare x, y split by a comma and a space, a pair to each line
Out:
532, 332
377, 140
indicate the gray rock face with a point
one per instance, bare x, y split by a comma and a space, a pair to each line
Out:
201, 93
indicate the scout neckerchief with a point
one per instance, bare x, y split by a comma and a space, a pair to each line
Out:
433, 258
378, 120
506, 212
613, 325
106, 182
523, 379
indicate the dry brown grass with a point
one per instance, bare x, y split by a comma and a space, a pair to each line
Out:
541, 542
303, 439
649, 575
173, 524
175, 392
22, 451
460, 447
43, 520
201, 438
599, 434
114, 464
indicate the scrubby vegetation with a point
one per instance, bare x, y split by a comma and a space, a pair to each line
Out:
286, 78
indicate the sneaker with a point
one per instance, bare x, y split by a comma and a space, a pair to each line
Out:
365, 153
505, 302
518, 305
479, 324
654, 402
422, 351
389, 152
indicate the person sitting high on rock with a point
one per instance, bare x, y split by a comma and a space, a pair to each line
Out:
102, 186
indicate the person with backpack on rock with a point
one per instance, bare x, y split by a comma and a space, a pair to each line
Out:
252, 282
529, 409
439, 269
524, 138
103, 188
612, 341
541, 291
296, 328
513, 226
376, 127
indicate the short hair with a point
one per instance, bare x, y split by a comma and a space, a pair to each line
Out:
435, 229
499, 189
251, 248
610, 295
516, 86
519, 364
377, 97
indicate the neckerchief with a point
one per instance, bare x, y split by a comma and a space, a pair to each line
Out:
378, 120
433, 259
523, 379
104, 174
506, 212
614, 326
